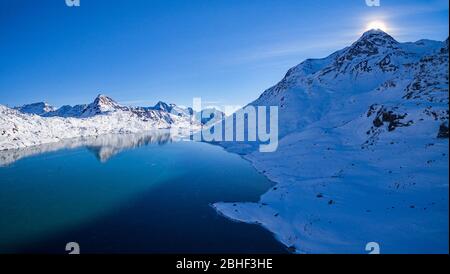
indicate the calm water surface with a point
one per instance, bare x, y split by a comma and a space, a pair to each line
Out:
127, 193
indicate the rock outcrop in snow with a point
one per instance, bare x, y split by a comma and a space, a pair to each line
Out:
363, 151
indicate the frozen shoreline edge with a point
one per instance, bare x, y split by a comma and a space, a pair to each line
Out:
220, 211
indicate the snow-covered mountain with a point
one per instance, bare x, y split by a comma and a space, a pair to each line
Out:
104, 105
102, 116
40, 108
376, 62
101, 105
67, 111
363, 151
164, 106
174, 109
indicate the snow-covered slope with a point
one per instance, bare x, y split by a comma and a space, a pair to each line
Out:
363, 151
103, 116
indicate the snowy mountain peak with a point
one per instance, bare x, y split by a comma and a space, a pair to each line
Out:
377, 35
163, 106
103, 100
36, 108
102, 104
376, 62
372, 42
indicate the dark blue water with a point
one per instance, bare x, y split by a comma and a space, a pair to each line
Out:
127, 194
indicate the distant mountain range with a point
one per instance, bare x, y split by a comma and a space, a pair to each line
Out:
101, 105
40, 123
104, 104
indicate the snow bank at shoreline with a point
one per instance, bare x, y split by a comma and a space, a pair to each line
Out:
337, 200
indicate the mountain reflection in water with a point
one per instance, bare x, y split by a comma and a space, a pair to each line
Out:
103, 146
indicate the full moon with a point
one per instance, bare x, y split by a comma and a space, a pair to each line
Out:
377, 25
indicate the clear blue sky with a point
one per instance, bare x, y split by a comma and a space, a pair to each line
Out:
142, 51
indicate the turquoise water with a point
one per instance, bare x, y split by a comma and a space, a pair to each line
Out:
127, 194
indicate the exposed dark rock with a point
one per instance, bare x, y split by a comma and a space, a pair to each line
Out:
384, 115
443, 130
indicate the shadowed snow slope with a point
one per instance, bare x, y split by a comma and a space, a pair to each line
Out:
40, 108
363, 151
